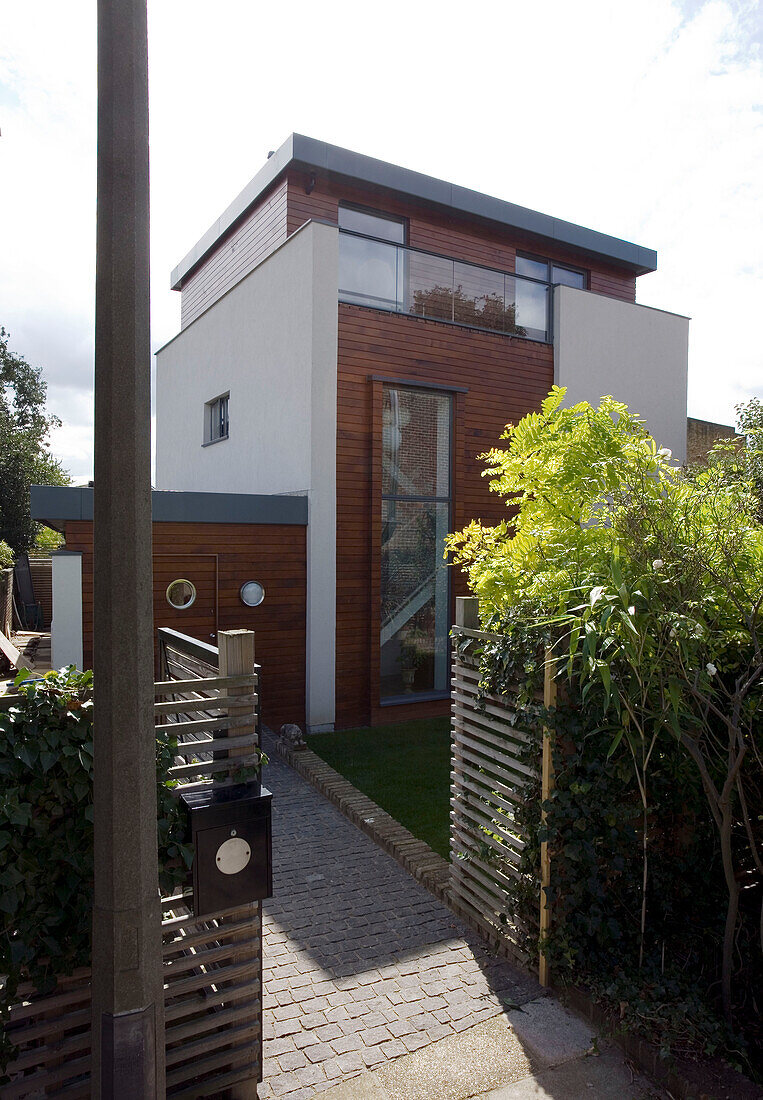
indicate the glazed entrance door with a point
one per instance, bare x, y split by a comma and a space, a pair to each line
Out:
185, 594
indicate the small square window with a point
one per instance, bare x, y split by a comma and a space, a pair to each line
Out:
216, 419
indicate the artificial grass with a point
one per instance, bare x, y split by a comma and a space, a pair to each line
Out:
404, 767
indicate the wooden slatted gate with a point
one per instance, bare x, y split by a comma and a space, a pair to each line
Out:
212, 966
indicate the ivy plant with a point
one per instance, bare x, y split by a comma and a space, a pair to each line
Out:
46, 832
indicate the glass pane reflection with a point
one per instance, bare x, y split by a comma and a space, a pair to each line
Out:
415, 443
414, 596
429, 283
531, 308
568, 278
478, 297
368, 272
404, 280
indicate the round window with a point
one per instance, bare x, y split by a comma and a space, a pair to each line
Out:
181, 594
252, 593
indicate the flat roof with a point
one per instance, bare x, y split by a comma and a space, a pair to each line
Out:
307, 153
55, 504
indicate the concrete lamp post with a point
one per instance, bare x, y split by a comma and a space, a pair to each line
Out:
127, 989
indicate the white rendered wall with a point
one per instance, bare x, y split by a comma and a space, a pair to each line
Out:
637, 354
66, 624
272, 342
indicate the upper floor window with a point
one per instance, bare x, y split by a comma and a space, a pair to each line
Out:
216, 419
550, 272
372, 223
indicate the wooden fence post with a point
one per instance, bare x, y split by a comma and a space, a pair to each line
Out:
6, 601
547, 786
468, 612
236, 649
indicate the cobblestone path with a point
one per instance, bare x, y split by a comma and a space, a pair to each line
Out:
361, 963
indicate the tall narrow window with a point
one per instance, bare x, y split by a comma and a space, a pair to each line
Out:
416, 447
216, 419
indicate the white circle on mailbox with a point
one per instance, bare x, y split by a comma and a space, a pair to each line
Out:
233, 855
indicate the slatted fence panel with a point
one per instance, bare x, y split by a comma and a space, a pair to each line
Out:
212, 965
42, 579
488, 783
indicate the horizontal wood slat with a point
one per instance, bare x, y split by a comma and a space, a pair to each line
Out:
212, 965
488, 782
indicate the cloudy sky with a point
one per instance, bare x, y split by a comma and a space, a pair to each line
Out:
642, 120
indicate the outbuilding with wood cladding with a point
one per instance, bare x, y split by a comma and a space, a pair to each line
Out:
222, 561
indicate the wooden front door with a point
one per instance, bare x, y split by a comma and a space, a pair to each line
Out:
198, 618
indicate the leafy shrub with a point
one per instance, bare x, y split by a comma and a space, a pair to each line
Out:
6, 555
46, 832
647, 581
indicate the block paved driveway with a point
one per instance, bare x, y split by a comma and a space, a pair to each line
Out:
361, 963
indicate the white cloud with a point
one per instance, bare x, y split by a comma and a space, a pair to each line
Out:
640, 120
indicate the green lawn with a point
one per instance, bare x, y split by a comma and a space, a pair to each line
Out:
404, 767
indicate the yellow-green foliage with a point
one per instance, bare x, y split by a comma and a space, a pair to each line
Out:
562, 474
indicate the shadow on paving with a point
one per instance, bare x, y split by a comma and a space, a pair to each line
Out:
361, 963
347, 904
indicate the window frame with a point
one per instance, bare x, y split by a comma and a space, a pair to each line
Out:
399, 219
211, 418
550, 264
432, 694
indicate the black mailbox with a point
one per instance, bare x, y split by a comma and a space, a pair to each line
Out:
231, 837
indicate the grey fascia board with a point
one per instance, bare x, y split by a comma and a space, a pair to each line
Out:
176, 507
58, 503
309, 153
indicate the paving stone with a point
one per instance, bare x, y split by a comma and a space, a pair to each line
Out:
375, 1035
319, 1052
357, 953
415, 1042
292, 1060
328, 1032
280, 1029
314, 1020
350, 1063
310, 1075
345, 1043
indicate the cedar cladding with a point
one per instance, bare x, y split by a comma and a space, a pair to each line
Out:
506, 378
256, 236
274, 555
449, 233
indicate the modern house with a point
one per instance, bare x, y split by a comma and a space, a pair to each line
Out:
358, 333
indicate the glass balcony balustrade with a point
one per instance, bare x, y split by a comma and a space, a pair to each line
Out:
404, 280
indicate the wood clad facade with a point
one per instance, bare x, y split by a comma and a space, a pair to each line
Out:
449, 233
493, 379
218, 558
506, 378
256, 236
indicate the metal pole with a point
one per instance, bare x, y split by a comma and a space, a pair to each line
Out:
128, 1009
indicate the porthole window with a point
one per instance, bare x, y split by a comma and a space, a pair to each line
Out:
252, 593
181, 594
